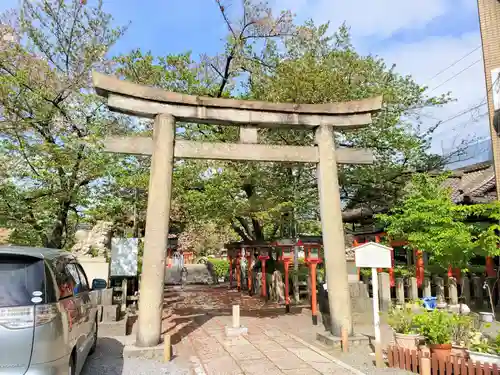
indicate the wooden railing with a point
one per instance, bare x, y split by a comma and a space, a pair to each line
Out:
425, 364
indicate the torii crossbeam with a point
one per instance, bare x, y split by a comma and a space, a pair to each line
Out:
168, 107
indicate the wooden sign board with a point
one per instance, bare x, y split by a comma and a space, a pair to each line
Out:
373, 255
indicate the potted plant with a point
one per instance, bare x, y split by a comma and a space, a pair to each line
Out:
436, 327
463, 331
485, 350
400, 319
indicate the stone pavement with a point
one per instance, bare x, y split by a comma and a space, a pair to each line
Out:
195, 317
266, 349
277, 343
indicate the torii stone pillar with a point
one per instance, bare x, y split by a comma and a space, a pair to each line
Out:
157, 220
168, 107
332, 231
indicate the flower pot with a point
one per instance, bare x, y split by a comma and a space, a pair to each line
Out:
459, 351
492, 359
407, 341
440, 351
486, 317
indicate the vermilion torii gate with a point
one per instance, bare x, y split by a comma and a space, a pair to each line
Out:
168, 107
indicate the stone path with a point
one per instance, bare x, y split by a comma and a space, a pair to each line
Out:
277, 343
266, 349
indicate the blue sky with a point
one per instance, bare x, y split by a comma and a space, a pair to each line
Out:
420, 37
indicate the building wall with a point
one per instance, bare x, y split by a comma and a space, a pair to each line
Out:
489, 19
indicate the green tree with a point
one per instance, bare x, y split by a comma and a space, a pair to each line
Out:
298, 64
430, 221
50, 119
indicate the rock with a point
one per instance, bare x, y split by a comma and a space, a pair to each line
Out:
95, 242
461, 308
257, 283
277, 287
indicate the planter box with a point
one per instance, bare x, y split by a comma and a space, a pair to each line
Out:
484, 358
407, 341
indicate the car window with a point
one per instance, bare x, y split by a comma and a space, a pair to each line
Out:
71, 269
20, 277
83, 277
65, 282
50, 285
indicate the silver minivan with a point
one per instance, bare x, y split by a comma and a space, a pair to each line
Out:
48, 324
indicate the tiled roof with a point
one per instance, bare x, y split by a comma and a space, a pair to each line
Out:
473, 183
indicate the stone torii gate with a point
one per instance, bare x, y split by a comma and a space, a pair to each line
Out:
168, 107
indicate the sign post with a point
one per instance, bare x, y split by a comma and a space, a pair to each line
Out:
374, 255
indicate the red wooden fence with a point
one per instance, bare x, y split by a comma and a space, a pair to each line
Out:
410, 360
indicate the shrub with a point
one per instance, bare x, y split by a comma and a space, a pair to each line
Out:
401, 320
436, 326
221, 267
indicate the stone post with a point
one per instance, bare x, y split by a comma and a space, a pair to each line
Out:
498, 292
477, 287
413, 289
452, 291
439, 289
155, 244
491, 283
427, 290
333, 233
466, 290
384, 284
400, 291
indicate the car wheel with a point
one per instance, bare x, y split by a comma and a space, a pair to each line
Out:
94, 338
71, 365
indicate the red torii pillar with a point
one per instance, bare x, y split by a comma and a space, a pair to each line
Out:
490, 267
419, 267
263, 258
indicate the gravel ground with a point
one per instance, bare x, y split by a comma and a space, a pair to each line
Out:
108, 360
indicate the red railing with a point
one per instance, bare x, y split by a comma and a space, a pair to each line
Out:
415, 361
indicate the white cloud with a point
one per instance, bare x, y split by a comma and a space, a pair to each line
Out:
380, 18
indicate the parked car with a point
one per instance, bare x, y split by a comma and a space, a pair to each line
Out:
48, 324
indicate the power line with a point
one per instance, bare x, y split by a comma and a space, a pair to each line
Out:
455, 75
483, 102
454, 63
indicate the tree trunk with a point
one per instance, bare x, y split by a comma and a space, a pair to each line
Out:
56, 238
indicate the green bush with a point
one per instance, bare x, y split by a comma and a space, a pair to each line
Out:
436, 326
401, 320
221, 267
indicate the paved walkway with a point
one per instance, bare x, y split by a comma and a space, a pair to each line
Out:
265, 350
276, 343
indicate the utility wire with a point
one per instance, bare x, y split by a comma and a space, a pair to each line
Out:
454, 76
464, 112
454, 63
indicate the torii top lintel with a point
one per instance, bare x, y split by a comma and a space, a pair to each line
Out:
145, 101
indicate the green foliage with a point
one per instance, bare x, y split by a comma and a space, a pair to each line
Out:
50, 119
53, 173
296, 64
401, 320
484, 344
463, 330
221, 267
436, 326
430, 221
